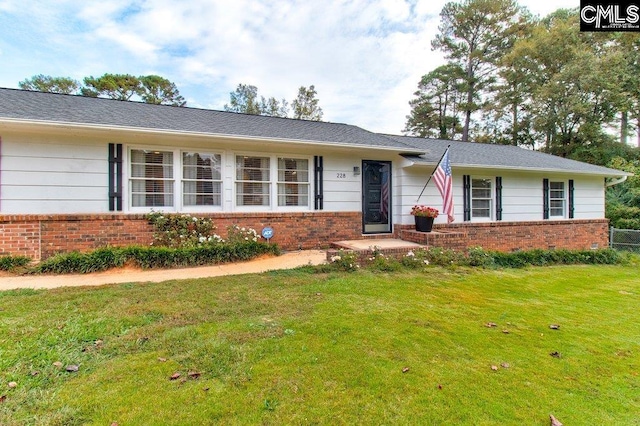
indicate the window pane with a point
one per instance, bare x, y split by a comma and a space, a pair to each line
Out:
293, 194
202, 179
556, 199
151, 182
481, 198
252, 194
252, 168
253, 181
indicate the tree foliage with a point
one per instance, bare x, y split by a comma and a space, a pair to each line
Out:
160, 91
305, 105
151, 89
475, 34
245, 100
46, 83
435, 108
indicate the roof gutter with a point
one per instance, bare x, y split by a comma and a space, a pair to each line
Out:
59, 124
616, 181
520, 168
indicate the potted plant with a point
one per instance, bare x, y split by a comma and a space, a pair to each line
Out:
424, 217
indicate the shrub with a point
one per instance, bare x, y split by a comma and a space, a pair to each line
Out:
345, 261
9, 262
181, 230
383, 263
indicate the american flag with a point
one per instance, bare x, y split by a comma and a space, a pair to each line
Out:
442, 177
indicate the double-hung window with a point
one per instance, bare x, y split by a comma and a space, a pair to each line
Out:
253, 181
481, 198
201, 179
293, 182
152, 180
557, 199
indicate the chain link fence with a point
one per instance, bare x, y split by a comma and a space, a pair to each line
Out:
625, 239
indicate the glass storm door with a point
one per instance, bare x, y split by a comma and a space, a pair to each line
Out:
376, 196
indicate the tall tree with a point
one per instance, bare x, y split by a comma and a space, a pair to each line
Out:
434, 110
273, 107
574, 88
628, 44
158, 90
244, 100
115, 86
305, 105
46, 83
474, 34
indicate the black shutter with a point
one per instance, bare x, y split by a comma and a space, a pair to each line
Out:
571, 188
466, 197
317, 184
115, 177
545, 198
498, 198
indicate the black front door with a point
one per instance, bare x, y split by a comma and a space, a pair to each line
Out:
376, 196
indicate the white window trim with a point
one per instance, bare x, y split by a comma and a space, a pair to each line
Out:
492, 199
273, 183
177, 180
180, 195
565, 199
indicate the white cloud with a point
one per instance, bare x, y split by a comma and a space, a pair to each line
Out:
365, 57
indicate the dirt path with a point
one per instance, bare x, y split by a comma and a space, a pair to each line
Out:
126, 275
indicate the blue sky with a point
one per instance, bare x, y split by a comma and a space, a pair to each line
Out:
365, 57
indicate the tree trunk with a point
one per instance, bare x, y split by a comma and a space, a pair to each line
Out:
638, 129
514, 132
624, 124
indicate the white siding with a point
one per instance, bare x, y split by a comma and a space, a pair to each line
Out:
522, 194
53, 175
66, 171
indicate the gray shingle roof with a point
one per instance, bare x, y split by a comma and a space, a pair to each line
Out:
69, 109
27, 105
475, 155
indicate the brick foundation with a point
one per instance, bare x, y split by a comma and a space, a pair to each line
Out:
42, 236
512, 236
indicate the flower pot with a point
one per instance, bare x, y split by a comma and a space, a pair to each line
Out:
423, 223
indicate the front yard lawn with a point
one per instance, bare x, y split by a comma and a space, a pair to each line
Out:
445, 346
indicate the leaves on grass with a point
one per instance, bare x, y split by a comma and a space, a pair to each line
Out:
405, 369
505, 331
491, 324
555, 354
494, 367
554, 421
58, 364
175, 376
162, 359
505, 365
72, 368
3, 398
554, 326
12, 385
35, 373
194, 374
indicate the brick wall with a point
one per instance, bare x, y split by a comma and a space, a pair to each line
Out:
511, 236
42, 236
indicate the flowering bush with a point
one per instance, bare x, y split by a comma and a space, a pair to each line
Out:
424, 211
236, 234
181, 230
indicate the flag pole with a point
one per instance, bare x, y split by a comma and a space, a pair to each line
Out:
434, 170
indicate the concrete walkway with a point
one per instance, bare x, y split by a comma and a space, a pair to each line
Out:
127, 275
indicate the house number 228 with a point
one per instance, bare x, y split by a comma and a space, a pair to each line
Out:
342, 175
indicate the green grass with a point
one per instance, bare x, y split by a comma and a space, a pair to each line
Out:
293, 347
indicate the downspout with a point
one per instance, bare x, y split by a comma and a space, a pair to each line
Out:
616, 181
